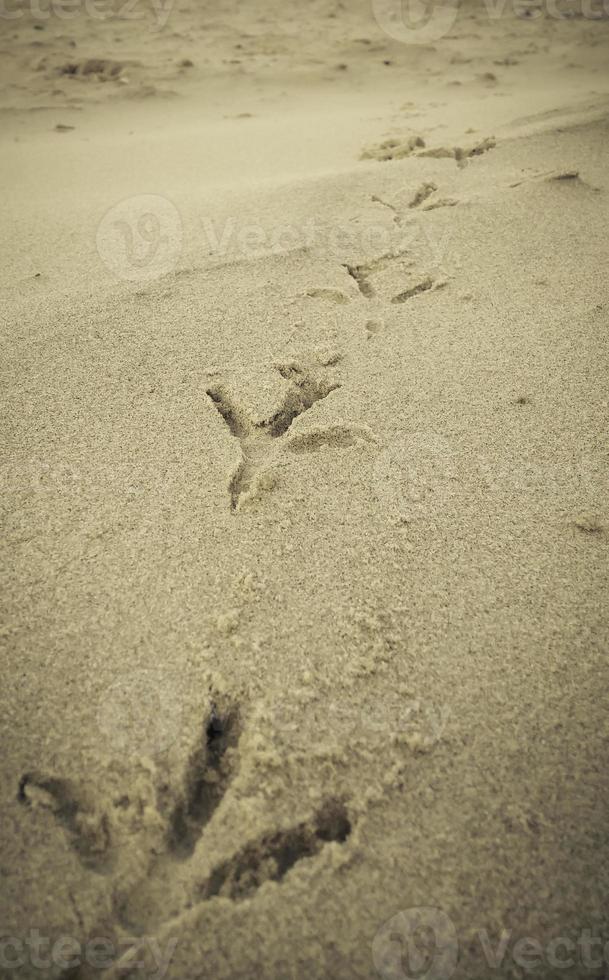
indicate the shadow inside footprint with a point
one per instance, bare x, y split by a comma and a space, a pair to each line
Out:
305, 391
208, 773
272, 856
88, 832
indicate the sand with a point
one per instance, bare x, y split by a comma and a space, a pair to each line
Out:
305, 471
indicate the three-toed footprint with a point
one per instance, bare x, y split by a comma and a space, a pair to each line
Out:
155, 865
305, 382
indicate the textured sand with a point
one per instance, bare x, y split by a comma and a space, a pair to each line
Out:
304, 492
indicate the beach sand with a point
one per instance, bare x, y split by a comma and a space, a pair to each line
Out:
305, 471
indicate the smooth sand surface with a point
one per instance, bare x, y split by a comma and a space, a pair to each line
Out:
305, 494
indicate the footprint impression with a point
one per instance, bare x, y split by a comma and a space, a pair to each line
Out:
306, 384
166, 827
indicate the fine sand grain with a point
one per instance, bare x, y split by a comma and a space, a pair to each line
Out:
305, 498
